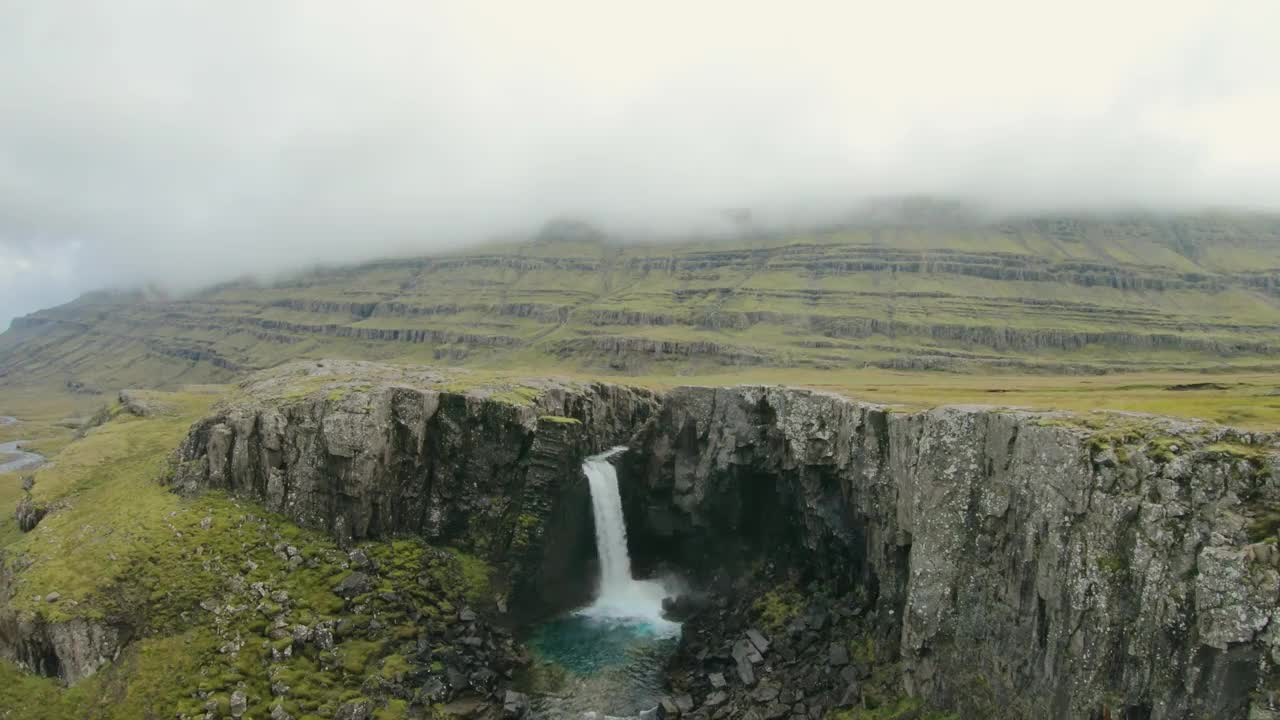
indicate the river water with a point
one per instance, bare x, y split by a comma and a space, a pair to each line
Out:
611, 653
12, 457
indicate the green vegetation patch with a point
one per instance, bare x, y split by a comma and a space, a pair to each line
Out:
778, 608
518, 395
560, 419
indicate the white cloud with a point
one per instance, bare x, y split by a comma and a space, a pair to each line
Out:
185, 142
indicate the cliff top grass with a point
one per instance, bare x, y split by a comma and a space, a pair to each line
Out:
1249, 401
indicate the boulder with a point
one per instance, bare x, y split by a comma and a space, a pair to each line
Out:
764, 693
354, 710
514, 705
838, 654
357, 583
360, 559
758, 640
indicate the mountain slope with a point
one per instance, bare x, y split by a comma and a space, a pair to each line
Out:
1077, 295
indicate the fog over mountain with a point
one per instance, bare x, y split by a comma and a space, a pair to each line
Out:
184, 143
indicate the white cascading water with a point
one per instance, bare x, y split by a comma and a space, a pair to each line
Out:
620, 596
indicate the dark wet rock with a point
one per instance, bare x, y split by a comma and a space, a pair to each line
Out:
433, 691
483, 680
838, 654
515, 705
355, 710
851, 695
776, 711
764, 693
467, 615
682, 607
456, 678
758, 640
357, 583
360, 559
745, 673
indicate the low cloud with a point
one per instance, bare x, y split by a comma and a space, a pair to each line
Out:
184, 143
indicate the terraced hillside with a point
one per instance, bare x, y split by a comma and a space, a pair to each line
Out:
1056, 295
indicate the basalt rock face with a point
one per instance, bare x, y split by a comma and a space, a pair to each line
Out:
1067, 573
70, 650
500, 479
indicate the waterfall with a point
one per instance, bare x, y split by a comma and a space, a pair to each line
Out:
620, 596
611, 528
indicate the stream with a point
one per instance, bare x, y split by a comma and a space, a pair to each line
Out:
12, 457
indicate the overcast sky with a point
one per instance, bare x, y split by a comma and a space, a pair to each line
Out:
184, 142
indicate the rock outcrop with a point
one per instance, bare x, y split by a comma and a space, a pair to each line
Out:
29, 513
141, 403
70, 649
1065, 572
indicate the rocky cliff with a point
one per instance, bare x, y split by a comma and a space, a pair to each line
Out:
1061, 571
1110, 567
495, 472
